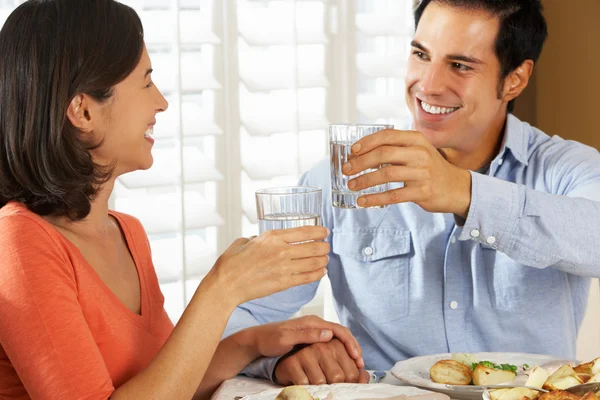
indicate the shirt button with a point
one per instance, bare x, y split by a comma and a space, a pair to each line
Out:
454, 305
368, 251
491, 240
500, 161
475, 233
453, 239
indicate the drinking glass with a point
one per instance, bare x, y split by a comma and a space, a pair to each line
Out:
341, 139
288, 207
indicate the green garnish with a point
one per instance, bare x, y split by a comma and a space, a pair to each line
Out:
526, 366
489, 364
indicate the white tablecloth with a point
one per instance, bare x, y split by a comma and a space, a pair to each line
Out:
242, 386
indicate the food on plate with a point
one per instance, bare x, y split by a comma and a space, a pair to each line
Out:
563, 378
294, 393
484, 376
463, 369
450, 372
518, 393
537, 377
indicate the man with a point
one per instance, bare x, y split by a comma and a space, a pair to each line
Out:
489, 243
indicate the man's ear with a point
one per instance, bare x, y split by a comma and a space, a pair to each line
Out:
78, 113
517, 81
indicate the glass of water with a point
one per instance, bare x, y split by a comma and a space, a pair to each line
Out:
288, 207
341, 139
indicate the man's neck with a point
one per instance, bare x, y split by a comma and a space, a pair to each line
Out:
483, 153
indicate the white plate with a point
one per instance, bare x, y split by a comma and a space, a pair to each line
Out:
415, 371
347, 391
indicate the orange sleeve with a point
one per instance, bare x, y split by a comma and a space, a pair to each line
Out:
42, 327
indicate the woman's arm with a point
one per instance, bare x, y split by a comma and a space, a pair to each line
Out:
248, 269
238, 350
46, 337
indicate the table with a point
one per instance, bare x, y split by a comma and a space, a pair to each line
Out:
241, 386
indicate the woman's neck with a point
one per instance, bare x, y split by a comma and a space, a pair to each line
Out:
97, 224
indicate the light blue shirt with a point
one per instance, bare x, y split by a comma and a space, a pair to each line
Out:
515, 277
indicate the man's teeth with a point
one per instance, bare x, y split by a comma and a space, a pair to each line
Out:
437, 110
149, 133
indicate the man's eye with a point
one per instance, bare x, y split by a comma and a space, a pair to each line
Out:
461, 67
420, 55
151, 84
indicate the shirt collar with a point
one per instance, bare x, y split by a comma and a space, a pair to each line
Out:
515, 139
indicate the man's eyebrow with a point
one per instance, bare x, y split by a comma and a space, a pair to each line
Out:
459, 57
148, 72
453, 57
418, 45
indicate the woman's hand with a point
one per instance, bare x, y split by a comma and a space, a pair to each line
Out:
279, 338
272, 262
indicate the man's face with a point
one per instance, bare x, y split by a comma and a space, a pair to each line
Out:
453, 76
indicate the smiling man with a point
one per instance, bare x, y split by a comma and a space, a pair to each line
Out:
492, 229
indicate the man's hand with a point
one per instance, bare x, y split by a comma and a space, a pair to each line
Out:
320, 363
429, 179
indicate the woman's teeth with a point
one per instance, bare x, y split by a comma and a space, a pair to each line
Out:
149, 133
437, 110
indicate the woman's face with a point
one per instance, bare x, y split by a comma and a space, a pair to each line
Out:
125, 123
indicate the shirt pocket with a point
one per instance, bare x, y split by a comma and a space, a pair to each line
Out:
376, 265
518, 288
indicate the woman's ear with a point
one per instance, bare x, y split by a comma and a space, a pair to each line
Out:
78, 113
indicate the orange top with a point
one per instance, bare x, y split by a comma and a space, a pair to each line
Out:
63, 333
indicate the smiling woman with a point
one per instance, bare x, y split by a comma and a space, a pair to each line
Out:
81, 311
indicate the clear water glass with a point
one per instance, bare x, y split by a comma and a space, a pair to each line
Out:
341, 139
288, 207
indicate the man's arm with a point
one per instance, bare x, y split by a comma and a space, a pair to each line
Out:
538, 229
555, 226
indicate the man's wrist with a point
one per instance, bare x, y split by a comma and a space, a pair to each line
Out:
462, 199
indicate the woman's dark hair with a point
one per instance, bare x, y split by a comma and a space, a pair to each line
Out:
52, 51
522, 33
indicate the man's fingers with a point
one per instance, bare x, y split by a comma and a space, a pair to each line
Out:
311, 249
351, 371
332, 369
396, 196
388, 137
396, 155
304, 234
390, 173
363, 376
290, 372
311, 367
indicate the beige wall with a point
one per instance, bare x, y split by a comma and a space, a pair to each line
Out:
564, 99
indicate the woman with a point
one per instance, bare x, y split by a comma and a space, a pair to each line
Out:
81, 313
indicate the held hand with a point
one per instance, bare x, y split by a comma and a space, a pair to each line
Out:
279, 338
429, 179
321, 363
272, 262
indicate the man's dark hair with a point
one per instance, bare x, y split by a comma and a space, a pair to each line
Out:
52, 51
522, 32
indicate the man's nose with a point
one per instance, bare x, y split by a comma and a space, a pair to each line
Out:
433, 81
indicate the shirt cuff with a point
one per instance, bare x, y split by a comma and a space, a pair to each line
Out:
263, 367
494, 212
